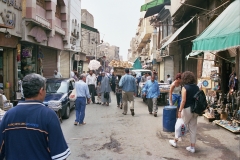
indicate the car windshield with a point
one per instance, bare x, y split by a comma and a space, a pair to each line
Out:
59, 87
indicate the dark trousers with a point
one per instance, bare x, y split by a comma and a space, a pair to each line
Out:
80, 109
119, 98
113, 86
92, 92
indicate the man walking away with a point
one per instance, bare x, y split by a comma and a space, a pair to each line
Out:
151, 91
129, 88
82, 92
91, 82
31, 130
169, 79
118, 92
113, 82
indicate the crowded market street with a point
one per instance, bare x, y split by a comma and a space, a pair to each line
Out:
110, 135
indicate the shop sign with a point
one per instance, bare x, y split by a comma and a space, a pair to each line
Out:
8, 16
76, 57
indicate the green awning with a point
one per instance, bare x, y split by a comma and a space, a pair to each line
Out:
175, 34
137, 64
89, 28
223, 33
194, 53
156, 9
151, 4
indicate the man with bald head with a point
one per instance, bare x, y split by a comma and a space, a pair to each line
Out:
152, 92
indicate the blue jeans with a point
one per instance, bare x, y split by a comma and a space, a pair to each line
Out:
176, 98
80, 109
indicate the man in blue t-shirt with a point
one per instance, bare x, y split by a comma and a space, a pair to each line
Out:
31, 130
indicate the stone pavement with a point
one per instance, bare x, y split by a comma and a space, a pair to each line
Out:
109, 135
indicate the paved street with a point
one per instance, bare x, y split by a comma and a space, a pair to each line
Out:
110, 135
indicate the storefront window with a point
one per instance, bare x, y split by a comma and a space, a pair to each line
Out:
27, 62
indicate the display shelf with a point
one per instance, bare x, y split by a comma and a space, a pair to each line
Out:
235, 130
209, 119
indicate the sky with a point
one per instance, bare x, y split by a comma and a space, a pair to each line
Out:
116, 20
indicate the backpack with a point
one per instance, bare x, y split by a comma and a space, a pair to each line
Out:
200, 103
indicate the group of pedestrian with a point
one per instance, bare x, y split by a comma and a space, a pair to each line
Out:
30, 123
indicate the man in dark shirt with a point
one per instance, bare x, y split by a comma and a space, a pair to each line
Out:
31, 130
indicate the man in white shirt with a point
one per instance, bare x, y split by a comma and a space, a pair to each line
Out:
91, 82
72, 74
169, 79
57, 74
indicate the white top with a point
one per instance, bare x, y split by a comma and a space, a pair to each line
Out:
169, 80
72, 74
176, 90
58, 75
91, 80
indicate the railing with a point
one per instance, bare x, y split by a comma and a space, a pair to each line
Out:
43, 21
60, 30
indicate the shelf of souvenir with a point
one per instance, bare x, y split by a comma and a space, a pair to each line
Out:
208, 117
231, 126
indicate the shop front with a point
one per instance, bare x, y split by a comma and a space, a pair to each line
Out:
222, 39
10, 33
8, 51
36, 59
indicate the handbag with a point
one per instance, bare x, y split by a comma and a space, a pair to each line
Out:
73, 95
106, 95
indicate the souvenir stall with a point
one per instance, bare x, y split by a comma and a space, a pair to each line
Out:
224, 101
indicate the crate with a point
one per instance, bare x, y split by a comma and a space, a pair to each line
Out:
119, 71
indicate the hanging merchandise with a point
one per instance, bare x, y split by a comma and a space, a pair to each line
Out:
40, 58
27, 52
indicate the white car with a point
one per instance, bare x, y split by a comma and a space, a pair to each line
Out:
141, 72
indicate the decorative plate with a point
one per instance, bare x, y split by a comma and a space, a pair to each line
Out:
205, 83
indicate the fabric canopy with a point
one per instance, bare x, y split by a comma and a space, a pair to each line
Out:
89, 28
156, 9
223, 33
175, 34
194, 53
137, 64
151, 4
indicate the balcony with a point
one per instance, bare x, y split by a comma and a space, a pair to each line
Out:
60, 30
43, 21
145, 35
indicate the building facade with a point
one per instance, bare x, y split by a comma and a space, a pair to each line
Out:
90, 42
10, 35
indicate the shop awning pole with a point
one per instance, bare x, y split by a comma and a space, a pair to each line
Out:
222, 58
